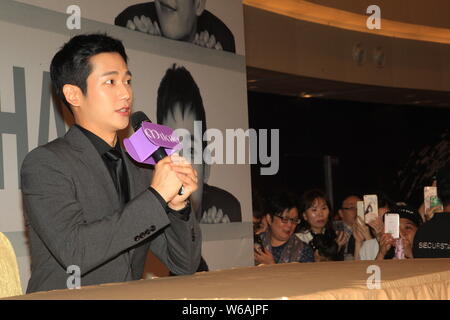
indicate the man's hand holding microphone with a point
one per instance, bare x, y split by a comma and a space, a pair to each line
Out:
172, 173
174, 178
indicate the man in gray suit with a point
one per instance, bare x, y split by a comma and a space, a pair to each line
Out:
88, 205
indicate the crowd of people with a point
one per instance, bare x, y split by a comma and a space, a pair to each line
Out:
292, 228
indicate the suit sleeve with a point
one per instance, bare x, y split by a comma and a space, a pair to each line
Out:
179, 247
56, 215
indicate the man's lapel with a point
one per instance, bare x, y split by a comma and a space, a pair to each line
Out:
138, 181
91, 158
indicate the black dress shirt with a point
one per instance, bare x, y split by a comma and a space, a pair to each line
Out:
102, 147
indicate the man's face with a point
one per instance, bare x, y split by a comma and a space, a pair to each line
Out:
177, 18
348, 210
106, 107
177, 120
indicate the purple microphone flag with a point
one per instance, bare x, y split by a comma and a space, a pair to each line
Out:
144, 142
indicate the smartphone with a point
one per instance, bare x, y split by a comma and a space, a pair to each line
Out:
431, 199
341, 226
392, 224
258, 242
360, 209
370, 208
338, 225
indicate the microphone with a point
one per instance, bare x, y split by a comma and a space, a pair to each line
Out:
136, 122
138, 118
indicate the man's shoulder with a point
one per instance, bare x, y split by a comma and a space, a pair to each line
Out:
48, 150
432, 240
439, 225
52, 154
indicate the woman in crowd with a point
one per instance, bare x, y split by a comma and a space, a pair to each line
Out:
410, 220
316, 228
279, 243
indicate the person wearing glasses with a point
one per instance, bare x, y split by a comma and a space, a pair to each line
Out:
279, 243
348, 215
317, 230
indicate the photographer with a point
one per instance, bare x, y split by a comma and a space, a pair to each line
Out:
317, 230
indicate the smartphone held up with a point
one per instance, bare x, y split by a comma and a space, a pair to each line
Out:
370, 208
392, 224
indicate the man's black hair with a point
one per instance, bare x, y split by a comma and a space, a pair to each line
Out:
71, 64
351, 194
279, 202
443, 185
178, 86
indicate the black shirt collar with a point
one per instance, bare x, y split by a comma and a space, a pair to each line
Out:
99, 144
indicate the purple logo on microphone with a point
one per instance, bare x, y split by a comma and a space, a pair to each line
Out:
144, 142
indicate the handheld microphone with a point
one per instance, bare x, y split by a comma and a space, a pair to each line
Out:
137, 119
136, 122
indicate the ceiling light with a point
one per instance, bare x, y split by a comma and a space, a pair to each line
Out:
315, 13
305, 95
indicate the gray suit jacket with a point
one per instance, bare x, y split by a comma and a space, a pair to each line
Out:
74, 217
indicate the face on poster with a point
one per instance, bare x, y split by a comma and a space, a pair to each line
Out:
180, 95
223, 100
212, 24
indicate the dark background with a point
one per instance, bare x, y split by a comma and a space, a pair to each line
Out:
370, 144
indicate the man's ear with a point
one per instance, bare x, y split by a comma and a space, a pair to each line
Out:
268, 219
73, 95
304, 216
199, 7
340, 213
